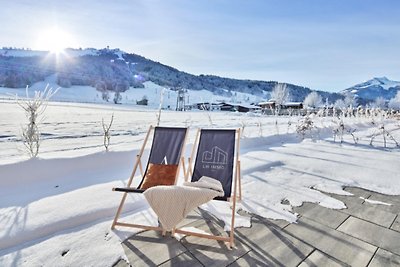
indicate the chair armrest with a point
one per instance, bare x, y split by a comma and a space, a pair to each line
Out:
127, 190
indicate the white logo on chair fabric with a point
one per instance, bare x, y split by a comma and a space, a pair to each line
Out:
164, 161
215, 156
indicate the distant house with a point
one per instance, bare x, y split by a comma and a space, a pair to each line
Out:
267, 104
238, 107
207, 106
270, 108
271, 104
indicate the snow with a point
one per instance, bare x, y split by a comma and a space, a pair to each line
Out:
57, 210
21, 53
71, 52
377, 202
383, 82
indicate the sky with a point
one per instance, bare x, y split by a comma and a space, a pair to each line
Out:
324, 45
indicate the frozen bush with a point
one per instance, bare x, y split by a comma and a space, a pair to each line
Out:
34, 108
106, 132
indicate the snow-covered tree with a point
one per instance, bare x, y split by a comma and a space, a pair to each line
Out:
313, 100
350, 100
280, 94
340, 104
394, 103
380, 102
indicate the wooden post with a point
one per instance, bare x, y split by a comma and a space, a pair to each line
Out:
240, 180
232, 232
182, 153
121, 204
183, 168
140, 165
190, 169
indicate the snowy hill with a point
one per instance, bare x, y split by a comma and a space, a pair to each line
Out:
150, 91
114, 70
376, 87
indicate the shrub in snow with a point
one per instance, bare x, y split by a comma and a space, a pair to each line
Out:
34, 107
289, 124
106, 132
385, 134
340, 129
304, 125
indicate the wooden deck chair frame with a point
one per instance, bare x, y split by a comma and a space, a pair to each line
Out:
235, 194
129, 189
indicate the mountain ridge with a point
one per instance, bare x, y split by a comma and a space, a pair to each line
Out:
115, 70
374, 88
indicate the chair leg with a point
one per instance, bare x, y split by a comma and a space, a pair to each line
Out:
121, 204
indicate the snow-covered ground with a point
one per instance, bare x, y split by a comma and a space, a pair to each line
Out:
57, 210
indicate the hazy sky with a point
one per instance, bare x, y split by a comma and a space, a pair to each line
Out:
322, 44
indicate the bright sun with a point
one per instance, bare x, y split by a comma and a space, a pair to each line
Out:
55, 40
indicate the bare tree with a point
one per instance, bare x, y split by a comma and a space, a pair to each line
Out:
106, 132
34, 108
207, 111
117, 97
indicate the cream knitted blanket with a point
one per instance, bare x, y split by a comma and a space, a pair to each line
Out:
173, 203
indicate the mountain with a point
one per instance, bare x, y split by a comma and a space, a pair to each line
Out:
115, 70
374, 88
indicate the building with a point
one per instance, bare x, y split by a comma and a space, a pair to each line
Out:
238, 107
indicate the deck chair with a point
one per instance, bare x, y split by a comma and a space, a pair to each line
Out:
217, 157
166, 149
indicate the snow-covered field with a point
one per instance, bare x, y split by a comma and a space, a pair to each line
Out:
57, 210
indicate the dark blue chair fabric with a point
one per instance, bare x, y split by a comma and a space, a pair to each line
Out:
215, 157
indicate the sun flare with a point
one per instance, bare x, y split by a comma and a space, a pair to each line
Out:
54, 40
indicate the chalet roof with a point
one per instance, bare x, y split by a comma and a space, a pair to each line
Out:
293, 103
267, 103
